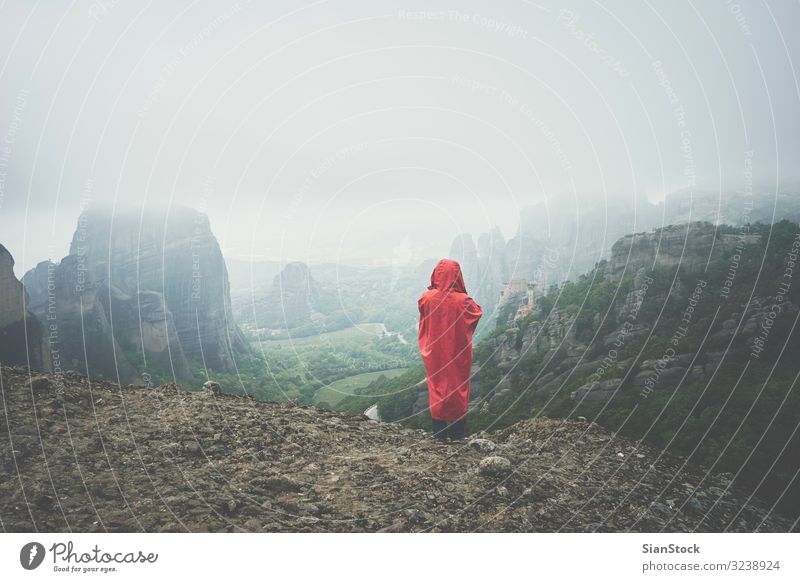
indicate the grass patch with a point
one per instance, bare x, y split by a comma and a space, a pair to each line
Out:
331, 395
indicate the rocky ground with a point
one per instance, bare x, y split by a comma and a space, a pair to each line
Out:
81, 455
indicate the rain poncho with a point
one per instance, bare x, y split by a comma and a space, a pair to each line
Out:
447, 319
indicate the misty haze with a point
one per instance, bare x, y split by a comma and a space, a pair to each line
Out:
221, 225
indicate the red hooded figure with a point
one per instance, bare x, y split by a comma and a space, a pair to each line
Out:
447, 319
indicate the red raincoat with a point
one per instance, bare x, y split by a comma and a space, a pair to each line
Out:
447, 319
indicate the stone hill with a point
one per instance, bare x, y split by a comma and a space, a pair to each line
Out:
87, 455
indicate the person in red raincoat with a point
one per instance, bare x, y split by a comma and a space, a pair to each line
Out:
447, 319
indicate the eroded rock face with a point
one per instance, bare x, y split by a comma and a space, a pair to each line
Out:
22, 336
292, 299
556, 332
691, 245
597, 374
147, 292
210, 461
12, 294
143, 323
596, 391
485, 269
79, 325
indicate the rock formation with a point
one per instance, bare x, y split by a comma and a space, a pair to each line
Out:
292, 301
79, 326
465, 252
140, 294
484, 267
23, 339
692, 246
553, 336
166, 460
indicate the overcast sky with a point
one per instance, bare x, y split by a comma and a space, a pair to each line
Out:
356, 130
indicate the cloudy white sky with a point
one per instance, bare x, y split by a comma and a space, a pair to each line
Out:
345, 130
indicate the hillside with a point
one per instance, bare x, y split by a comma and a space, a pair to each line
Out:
91, 456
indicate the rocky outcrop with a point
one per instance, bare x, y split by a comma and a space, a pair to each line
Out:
140, 294
465, 252
165, 460
590, 369
22, 335
493, 265
80, 329
484, 267
692, 246
540, 337
292, 300
12, 294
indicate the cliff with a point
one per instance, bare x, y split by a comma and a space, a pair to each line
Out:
667, 271
692, 246
162, 459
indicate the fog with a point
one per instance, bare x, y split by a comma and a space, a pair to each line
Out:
352, 131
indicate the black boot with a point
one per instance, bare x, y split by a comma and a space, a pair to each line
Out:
439, 430
457, 430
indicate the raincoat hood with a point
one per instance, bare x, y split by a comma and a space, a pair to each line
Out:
447, 275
